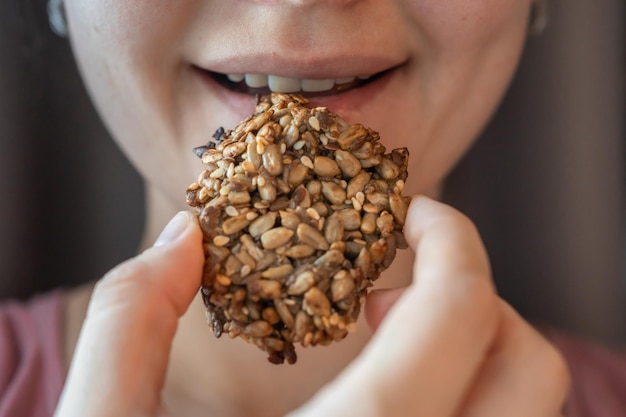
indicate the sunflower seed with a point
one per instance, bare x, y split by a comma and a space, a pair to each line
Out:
235, 224
301, 283
299, 251
348, 164
316, 303
341, 288
333, 193
311, 236
220, 240
259, 329
262, 224
276, 237
326, 167
278, 272
357, 183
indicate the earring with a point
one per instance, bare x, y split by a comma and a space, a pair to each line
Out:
56, 17
538, 17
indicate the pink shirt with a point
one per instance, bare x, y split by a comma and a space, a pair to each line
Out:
598, 378
32, 372
31, 364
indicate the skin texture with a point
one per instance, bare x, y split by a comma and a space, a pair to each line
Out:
454, 61
442, 342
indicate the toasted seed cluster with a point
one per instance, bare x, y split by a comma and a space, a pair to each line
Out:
300, 213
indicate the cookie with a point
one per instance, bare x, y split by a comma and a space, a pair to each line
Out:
300, 212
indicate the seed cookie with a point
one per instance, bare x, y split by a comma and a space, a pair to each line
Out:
300, 213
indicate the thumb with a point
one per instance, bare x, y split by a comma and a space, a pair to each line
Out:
122, 353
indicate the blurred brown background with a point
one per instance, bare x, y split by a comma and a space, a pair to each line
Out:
545, 184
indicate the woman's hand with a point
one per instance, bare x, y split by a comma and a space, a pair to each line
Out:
447, 345
122, 354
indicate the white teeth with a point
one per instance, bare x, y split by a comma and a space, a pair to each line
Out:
279, 84
236, 77
317, 85
344, 80
256, 80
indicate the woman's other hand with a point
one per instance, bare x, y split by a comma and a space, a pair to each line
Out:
122, 354
447, 345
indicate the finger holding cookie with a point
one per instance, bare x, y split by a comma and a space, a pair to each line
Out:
123, 350
447, 345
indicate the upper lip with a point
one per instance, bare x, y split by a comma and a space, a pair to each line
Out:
301, 65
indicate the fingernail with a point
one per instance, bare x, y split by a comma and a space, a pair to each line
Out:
174, 229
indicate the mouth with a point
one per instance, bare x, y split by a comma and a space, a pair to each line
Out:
350, 84
263, 84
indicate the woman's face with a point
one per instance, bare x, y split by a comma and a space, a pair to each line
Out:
438, 69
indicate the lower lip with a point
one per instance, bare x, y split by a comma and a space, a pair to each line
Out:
348, 103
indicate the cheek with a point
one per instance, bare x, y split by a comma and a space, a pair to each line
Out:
466, 22
115, 43
120, 44
129, 54
469, 50
132, 24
